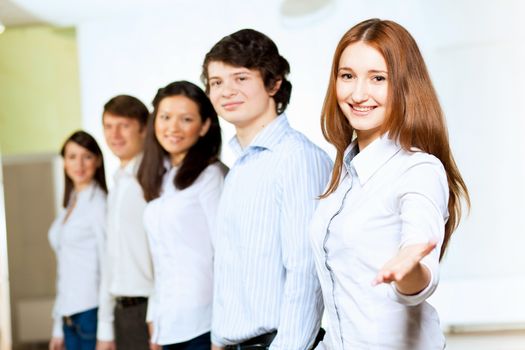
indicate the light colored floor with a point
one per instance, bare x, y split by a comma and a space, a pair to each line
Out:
500, 340
497, 340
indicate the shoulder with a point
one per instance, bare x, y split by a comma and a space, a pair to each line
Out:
212, 175
420, 163
423, 173
128, 191
98, 202
297, 144
217, 169
99, 194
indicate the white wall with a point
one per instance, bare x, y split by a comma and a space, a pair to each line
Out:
475, 53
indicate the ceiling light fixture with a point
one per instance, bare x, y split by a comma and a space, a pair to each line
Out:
299, 8
304, 12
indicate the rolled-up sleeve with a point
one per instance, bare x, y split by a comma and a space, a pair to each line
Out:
423, 197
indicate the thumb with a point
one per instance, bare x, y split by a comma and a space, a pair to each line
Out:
428, 248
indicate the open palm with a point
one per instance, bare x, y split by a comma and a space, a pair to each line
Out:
405, 267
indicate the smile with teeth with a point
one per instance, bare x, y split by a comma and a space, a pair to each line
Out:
173, 139
362, 109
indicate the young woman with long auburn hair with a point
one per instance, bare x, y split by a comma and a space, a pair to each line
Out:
394, 198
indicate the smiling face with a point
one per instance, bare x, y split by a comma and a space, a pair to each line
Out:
362, 90
178, 126
239, 96
124, 136
80, 164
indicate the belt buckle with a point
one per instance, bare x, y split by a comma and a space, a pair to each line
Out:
68, 321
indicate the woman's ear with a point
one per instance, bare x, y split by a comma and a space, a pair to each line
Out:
205, 127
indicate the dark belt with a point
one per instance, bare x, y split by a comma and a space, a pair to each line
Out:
123, 302
259, 342
68, 321
263, 341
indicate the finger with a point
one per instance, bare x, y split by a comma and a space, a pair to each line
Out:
384, 276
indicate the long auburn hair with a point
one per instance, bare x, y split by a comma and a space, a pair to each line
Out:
87, 141
413, 117
203, 153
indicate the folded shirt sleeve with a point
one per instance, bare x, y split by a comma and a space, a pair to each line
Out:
423, 206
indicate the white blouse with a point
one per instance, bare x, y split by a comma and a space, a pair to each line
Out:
79, 247
387, 198
179, 226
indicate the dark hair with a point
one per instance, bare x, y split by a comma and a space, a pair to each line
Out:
414, 116
253, 50
87, 141
199, 156
129, 107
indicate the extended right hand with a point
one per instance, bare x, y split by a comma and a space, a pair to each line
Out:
106, 345
56, 344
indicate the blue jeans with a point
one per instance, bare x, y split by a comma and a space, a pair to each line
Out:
81, 332
202, 342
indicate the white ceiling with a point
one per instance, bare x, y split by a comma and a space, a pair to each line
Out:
68, 13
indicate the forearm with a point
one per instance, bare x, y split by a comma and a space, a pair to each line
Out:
414, 281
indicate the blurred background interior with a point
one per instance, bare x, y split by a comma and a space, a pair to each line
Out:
60, 61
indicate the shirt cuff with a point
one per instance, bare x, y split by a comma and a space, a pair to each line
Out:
414, 299
105, 331
150, 311
321, 346
58, 332
217, 341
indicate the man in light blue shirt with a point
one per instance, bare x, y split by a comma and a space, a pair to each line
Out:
266, 292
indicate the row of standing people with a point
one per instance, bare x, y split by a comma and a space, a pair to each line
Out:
249, 260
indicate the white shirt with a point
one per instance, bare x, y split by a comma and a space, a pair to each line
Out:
128, 268
264, 270
388, 198
179, 224
79, 247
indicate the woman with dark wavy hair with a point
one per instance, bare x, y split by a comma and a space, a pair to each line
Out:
78, 238
394, 199
182, 179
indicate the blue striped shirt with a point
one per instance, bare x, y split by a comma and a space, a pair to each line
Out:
265, 277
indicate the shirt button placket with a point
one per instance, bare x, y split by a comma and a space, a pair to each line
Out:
325, 248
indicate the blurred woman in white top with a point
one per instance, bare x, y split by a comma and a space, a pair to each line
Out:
394, 199
78, 236
182, 180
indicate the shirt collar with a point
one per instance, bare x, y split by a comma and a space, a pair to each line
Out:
86, 193
267, 138
130, 169
367, 162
